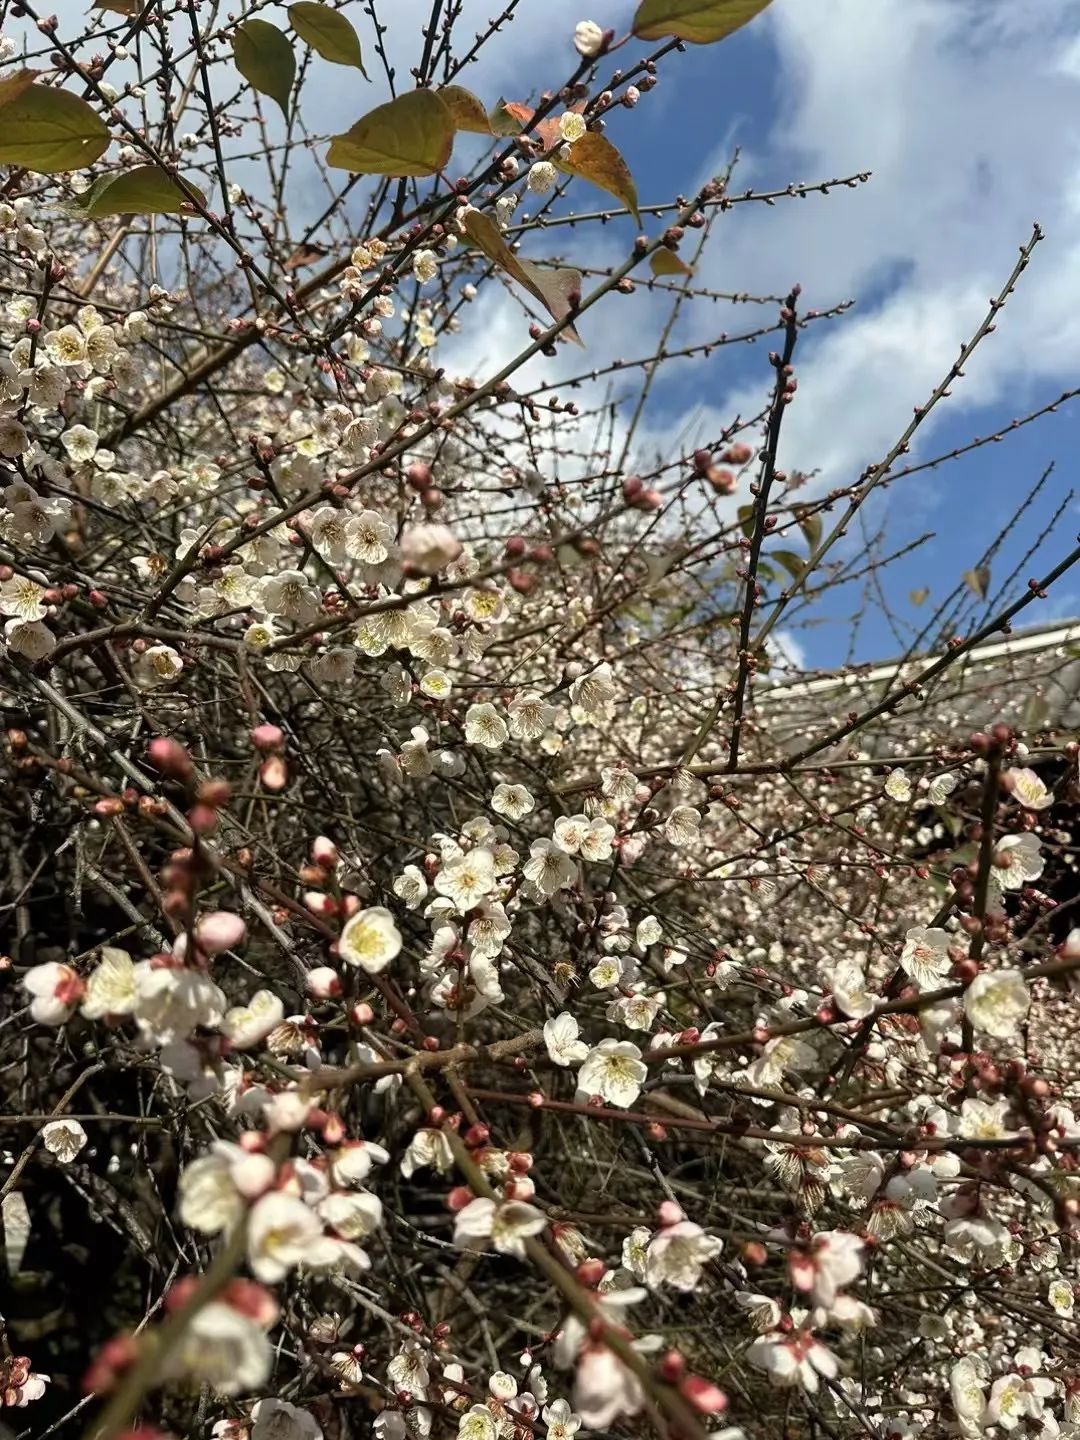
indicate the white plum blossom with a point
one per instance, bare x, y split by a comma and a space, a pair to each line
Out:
56, 990
1018, 859
925, 955
278, 1420
832, 1261
561, 1040
506, 1224
1029, 789
678, 1253
615, 1071
63, 1138
795, 1359
370, 940
996, 1002
485, 726
468, 878
513, 801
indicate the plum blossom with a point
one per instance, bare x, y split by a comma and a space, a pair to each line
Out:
63, 1138
614, 1070
56, 990
925, 955
506, 1224
561, 1040
370, 940
997, 1001
798, 1358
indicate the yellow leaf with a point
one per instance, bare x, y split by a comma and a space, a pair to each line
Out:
978, 580
412, 135
48, 130
666, 262
146, 190
557, 290
118, 7
918, 597
466, 109
265, 59
328, 33
595, 158
699, 21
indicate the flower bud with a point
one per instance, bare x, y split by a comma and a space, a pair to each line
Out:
219, 930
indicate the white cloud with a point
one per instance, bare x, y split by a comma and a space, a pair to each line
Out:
957, 106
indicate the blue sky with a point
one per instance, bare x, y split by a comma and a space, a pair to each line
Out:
961, 110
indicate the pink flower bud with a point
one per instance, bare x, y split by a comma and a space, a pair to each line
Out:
268, 738
670, 1213
203, 819
323, 982
703, 1395
324, 852
170, 757
274, 773
219, 930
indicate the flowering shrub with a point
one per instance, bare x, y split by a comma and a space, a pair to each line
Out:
452, 986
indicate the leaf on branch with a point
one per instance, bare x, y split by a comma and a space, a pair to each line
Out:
792, 563
146, 190
978, 580
557, 290
919, 597
501, 121
265, 59
810, 525
466, 109
412, 135
546, 131
304, 255
14, 85
48, 130
118, 7
595, 158
666, 262
746, 520
328, 33
702, 22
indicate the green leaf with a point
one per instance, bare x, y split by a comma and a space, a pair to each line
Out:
792, 563
746, 520
666, 262
146, 190
14, 85
265, 59
466, 109
700, 21
555, 289
48, 130
978, 580
919, 597
595, 158
328, 33
412, 135
810, 525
